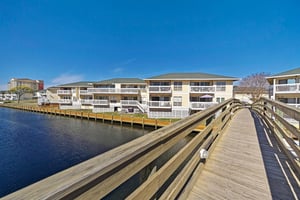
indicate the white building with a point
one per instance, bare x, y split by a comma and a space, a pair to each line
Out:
178, 95
286, 87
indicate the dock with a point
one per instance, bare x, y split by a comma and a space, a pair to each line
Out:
242, 153
245, 165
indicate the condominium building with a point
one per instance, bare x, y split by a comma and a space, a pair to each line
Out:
75, 95
177, 95
7, 96
35, 85
119, 94
286, 87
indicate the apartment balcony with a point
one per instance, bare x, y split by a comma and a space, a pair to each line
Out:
294, 105
160, 89
160, 104
129, 102
202, 89
64, 92
201, 105
85, 92
287, 88
65, 101
87, 101
100, 102
113, 90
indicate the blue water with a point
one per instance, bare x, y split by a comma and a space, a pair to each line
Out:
34, 146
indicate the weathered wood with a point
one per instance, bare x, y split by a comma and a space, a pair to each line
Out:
281, 128
235, 169
100, 175
242, 165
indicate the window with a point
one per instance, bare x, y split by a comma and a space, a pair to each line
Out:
159, 83
113, 99
221, 86
177, 86
177, 101
204, 83
220, 99
283, 81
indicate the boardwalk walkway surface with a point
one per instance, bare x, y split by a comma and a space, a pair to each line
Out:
246, 164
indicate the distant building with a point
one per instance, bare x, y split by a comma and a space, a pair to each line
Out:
244, 94
35, 85
286, 87
7, 96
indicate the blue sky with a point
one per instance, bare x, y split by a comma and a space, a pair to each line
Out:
67, 41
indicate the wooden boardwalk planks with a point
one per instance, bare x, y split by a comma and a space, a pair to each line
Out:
245, 166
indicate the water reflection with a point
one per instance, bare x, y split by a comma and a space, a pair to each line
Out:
34, 146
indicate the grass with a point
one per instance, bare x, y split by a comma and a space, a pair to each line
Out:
31, 102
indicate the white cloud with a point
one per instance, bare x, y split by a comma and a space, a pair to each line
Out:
67, 78
118, 70
119, 67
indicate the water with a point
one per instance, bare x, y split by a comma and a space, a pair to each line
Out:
34, 146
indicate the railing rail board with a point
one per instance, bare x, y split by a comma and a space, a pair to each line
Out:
100, 175
284, 132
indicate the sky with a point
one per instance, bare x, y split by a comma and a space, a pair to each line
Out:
62, 41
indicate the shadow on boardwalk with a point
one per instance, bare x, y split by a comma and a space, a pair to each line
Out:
282, 183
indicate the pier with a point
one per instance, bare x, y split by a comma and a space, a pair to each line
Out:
241, 153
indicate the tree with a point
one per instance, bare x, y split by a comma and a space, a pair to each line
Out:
255, 85
20, 91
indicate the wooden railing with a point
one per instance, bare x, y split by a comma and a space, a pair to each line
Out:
283, 121
99, 176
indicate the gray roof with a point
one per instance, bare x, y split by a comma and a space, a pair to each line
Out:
78, 84
122, 80
287, 73
191, 76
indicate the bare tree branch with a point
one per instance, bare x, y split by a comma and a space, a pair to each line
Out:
255, 84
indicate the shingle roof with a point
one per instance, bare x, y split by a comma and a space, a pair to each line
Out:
191, 76
122, 80
289, 72
78, 84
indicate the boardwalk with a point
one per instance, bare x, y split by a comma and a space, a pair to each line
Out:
246, 164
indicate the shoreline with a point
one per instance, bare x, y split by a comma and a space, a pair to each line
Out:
117, 119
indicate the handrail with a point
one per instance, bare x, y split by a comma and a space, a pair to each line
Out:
275, 114
97, 177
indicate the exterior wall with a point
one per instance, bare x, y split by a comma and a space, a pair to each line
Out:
286, 89
217, 92
119, 98
184, 94
33, 84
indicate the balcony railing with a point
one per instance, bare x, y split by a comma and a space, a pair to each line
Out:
85, 92
65, 101
129, 102
202, 89
160, 89
102, 102
113, 90
87, 101
159, 104
294, 105
287, 88
64, 92
201, 105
